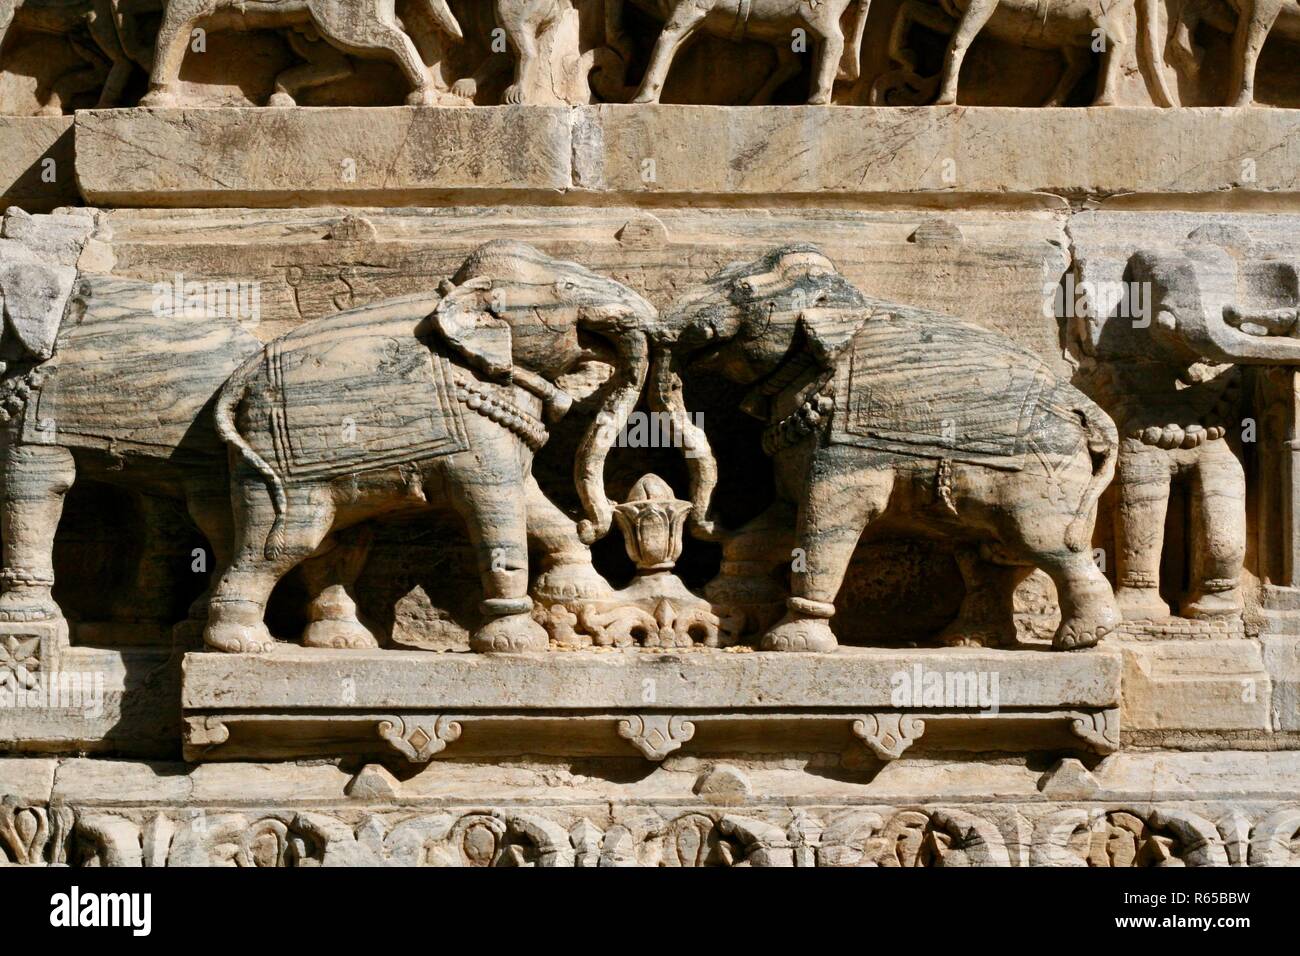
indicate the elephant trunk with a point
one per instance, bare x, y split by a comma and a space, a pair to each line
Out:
666, 396
589, 468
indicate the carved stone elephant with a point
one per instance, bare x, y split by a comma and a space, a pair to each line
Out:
882, 411
123, 396
421, 403
106, 62
1173, 381
1074, 27
768, 21
367, 28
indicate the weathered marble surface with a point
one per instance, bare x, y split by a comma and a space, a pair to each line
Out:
403, 156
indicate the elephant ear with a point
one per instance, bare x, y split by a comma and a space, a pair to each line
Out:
465, 321
35, 294
828, 332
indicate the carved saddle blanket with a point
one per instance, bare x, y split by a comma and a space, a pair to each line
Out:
127, 375
359, 390
923, 383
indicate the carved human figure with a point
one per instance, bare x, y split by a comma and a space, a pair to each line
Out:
367, 28
1177, 415
107, 64
426, 402
877, 409
768, 21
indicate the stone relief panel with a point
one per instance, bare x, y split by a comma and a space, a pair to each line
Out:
102, 53
665, 836
440, 400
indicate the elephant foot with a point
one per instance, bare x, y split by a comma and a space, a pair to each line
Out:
646, 96
238, 638
237, 628
50, 109
1214, 605
945, 100
343, 635
1141, 604
795, 633
578, 581
281, 100
977, 634
1078, 631
422, 97
819, 99
512, 634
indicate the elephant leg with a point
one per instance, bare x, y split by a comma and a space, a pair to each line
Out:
493, 507
1088, 609
236, 614
566, 570
330, 575
1218, 533
843, 496
208, 504
683, 23
987, 614
1143, 479
787, 68
1076, 64
179, 18
161, 565
35, 480
1253, 25
746, 583
324, 65
830, 50
972, 22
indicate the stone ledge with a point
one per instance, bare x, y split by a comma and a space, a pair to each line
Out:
862, 151
854, 677
120, 701
302, 157
1199, 685
26, 142
651, 154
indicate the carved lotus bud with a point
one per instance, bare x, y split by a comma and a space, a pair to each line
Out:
652, 520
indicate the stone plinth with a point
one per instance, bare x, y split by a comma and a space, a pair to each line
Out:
296, 701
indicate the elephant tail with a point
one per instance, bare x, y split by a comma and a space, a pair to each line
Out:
232, 393
1102, 438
